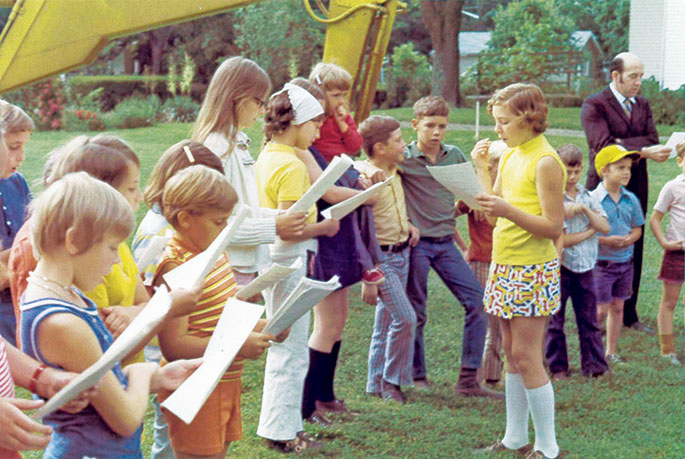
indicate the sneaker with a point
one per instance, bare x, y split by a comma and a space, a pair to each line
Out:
673, 359
301, 442
639, 326
616, 359
373, 276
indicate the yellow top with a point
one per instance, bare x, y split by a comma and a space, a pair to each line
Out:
390, 211
119, 288
512, 245
281, 176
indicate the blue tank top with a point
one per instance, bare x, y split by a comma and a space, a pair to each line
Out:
84, 433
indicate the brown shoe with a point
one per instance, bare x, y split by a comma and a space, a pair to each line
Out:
300, 443
334, 406
468, 386
318, 418
391, 392
498, 447
538, 455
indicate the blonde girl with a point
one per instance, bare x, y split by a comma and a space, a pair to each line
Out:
526, 206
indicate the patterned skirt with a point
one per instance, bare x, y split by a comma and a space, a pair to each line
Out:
523, 291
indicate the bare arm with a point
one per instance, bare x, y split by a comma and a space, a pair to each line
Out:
311, 230
655, 224
335, 194
597, 222
571, 239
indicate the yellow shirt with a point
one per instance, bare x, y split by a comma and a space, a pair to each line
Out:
512, 245
390, 211
119, 288
281, 176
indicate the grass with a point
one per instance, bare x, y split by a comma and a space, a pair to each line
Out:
636, 413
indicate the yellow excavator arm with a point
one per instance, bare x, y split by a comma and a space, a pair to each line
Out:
49, 37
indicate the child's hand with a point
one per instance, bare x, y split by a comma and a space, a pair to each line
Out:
480, 155
18, 432
290, 225
572, 209
493, 206
184, 302
55, 380
282, 336
117, 318
370, 294
255, 345
340, 113
414, 235
674, 245
172, 375
378, 177
329, 227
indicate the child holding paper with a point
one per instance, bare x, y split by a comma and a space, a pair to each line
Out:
77, 226
197, 202
292, 120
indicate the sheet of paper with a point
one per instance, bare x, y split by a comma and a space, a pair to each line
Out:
674, 140
304, 297
461, 180
341, 209
235, 324
333, 172
155, 311
197, 268
268, 278
157, 244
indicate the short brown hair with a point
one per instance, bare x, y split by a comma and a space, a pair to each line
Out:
570, 154
91, 207
280, 114
197, 190
377, 128
431, 106
104, 163
310, 87
173, 160
331, 77
526, 100
14, 119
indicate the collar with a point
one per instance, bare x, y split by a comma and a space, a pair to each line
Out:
414, 152
580, 190
620, 97
533, 144
280, 148
603, 193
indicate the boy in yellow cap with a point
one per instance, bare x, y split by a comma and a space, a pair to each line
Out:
614, 271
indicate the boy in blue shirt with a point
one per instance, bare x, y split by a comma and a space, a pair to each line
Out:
584, 217
614, 273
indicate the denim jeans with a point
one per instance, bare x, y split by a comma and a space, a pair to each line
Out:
450, 266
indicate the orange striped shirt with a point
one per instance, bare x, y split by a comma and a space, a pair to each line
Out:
218, 287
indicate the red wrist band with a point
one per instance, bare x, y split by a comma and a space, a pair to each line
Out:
34, 379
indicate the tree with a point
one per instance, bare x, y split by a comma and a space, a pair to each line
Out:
443, 20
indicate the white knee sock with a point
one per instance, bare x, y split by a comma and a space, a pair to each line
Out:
516, 434
541, 403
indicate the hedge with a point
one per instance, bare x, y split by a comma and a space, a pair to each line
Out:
119, 87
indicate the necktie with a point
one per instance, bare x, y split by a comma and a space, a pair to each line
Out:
627, 107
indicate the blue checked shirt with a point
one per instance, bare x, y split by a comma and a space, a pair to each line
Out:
581, 257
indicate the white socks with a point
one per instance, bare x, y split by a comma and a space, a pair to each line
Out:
541, 404
516, 433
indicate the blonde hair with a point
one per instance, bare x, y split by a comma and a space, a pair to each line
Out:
525, 100
77, 201
14, 119
173, 160
197, 190
331, 77
235, 79
680, 150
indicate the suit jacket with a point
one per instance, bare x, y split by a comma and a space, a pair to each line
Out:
604, 121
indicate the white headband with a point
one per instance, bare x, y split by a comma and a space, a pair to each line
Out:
305, 105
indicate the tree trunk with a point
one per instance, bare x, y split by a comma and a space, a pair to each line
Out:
443, 21
157, 40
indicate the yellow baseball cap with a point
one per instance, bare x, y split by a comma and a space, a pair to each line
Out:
611, 154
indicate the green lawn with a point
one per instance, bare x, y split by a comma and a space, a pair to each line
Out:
636, 413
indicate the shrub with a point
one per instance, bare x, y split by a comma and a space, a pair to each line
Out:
43, 101
131, 113
181, 109
668, 106
409, 76
83, 120
116, 88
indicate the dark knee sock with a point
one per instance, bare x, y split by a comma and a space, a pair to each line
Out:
314, 380
327, 392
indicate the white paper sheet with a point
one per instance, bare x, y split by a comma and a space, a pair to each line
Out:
235, 324
304, 297
674, 140
154, 248
333, 172
341, 209
268, 278
461, 180
151, 315
198, 267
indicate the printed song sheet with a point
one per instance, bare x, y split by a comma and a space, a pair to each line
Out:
151, 315
341, 209
461, 180
304, 297
327, 179
674, 140
268, 278
157, 244
197, 268
235, 324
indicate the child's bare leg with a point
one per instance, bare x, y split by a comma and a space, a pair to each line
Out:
614, 325
330, 316
669, 300
220, 455
527, 336
602, 313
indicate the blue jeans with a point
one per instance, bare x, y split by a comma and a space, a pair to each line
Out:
448, 263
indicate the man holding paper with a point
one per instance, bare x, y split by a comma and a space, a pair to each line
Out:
619, 115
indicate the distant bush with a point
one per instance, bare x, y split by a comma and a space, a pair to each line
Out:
180, 109
131, 113
83, 120
44, 102
116, 88
409, 77
668, 106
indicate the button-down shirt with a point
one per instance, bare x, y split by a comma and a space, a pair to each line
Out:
620, 97
623, 216
430, 206
581, 257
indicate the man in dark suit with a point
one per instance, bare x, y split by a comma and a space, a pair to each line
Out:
618, 115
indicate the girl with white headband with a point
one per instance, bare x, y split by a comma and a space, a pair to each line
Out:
293, 118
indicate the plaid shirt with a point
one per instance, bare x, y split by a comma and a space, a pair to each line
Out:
581, 257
